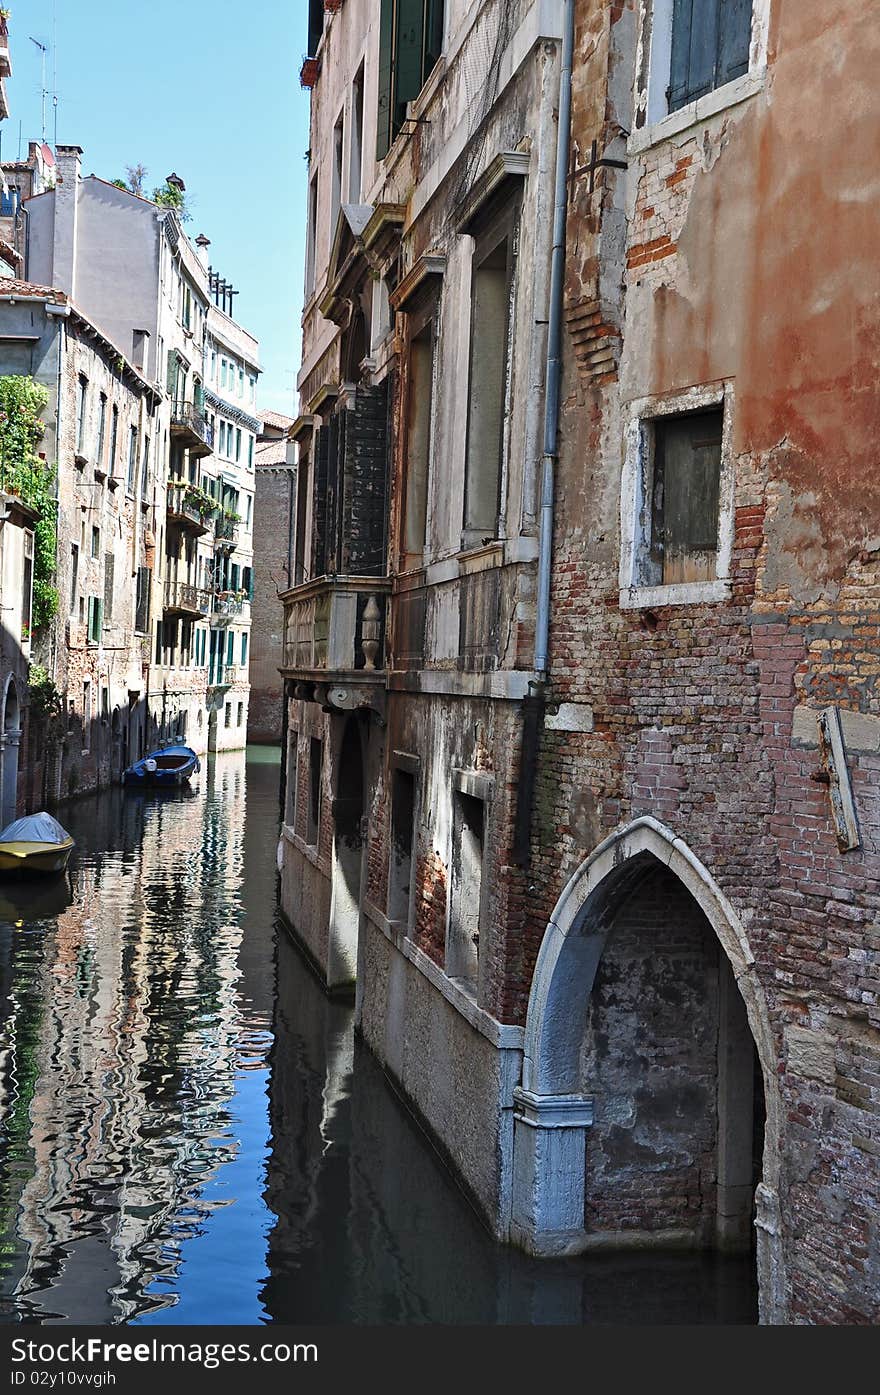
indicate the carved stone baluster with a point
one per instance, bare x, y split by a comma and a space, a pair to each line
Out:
371, 625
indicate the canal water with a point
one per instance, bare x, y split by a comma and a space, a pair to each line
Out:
191, 1133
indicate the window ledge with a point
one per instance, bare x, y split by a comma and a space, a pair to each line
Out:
679, 593
720, 99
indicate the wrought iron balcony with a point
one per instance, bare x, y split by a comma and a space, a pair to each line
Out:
188, 507
335, 628
228, 604
189, 601
226, 532
192, 428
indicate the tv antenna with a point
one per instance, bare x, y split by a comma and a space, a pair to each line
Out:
43, 88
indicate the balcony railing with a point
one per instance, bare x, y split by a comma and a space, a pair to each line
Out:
229, 603
183, 599
188, 507
335, 626
192, 427
226, 531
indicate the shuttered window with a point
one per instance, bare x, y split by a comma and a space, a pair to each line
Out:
95, 619
410, 43
710, 47
142, 605
685, 496
108, 585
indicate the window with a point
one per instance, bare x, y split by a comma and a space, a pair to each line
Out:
356, 137
238, 443
241, 382
95, 621
114, 435
102, 423
244, 648
316, 755
403, 813
109, 569
311, 235
336, 182
250, 461
466, 887
223, 371
27, 587
290, 778
410, 42
145, 467
227, 714
489, 391
316, 25
420, 385
240, 714
710, 47
96, 541
87, 717
677, 500
230, 647
81, 400
696, 47
74, 575
132, 459
142, 602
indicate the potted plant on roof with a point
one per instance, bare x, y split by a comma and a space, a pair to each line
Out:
308, 73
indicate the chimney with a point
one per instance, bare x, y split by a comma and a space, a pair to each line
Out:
69, 175
203, 243
139, 338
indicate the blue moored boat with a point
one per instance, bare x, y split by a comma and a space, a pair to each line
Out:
172, 765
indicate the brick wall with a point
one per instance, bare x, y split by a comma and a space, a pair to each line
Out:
274, 508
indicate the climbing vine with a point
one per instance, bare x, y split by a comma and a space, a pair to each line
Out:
24, 473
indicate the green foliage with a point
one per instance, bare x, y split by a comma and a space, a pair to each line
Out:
200, 500
120, 184
46, 700
22, 472
169, 196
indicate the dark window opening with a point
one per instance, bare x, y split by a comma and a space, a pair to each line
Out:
316, 756
403, 811
466, 888
685, 494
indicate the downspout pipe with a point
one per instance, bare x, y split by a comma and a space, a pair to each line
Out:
554, 343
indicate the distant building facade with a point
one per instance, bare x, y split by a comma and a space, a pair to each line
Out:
274, 515
128, 265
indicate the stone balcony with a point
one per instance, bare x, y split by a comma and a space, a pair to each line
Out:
334, 641
183, 507
191, 428
190, 602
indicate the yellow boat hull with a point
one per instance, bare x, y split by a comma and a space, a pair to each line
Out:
35, 857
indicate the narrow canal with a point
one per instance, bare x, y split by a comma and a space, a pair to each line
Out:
192, 1134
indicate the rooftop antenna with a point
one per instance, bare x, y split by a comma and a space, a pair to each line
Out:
44, 90
55, 67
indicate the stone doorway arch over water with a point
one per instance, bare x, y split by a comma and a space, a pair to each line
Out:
646, 1028
10, 739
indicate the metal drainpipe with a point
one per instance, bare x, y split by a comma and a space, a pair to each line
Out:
554, 340
533, 705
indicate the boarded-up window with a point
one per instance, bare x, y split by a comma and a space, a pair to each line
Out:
710, 47
489, 390
420, 380
685, 497
466, 888
316, 756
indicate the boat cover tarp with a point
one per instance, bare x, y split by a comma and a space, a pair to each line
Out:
35, 828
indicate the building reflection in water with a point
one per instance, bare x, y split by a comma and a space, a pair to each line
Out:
182, 1144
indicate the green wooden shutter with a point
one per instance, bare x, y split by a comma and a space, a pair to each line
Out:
172, 371
733, 40
408, 57
386, 55
435, 11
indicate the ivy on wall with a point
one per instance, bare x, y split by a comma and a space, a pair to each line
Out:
24, 474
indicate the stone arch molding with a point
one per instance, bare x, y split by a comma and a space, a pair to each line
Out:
551, 1117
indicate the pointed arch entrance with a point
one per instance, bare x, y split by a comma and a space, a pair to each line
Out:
648, 1113
10, 738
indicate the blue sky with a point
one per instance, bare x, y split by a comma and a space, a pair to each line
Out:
209, 89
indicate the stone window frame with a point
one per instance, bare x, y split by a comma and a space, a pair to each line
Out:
411, 765
653, 58
477, 785
635, 499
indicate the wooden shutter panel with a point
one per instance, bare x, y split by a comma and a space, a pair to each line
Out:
386, 56
409, 56
694, 50
108, 584
316, 25
434, 15
734, 39
172, 372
